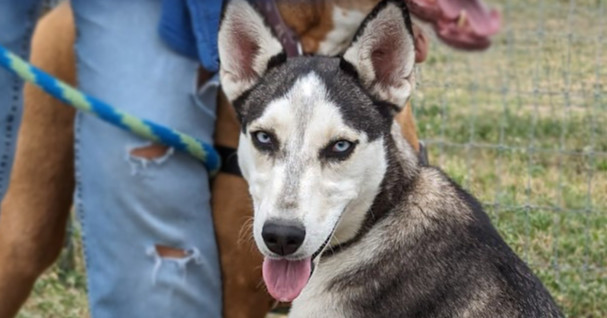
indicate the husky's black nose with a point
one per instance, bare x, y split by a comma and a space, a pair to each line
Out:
283, 239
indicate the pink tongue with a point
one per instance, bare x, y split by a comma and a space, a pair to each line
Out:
483, 21
463, 24
285, 279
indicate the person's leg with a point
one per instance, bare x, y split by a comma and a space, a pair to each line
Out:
149, 241
17, 20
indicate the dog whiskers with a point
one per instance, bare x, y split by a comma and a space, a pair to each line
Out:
332, 236
245, 235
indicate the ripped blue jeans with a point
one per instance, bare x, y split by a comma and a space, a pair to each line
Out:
129, 204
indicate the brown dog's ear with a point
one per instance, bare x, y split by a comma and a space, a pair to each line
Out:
246, 47
383, 53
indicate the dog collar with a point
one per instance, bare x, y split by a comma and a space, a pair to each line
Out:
229, 160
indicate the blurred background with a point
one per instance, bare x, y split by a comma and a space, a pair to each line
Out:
522, 126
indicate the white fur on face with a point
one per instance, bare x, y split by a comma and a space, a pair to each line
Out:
295, 184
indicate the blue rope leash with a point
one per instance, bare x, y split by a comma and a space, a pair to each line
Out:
141, 127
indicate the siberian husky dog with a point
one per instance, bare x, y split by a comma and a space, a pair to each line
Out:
349, 222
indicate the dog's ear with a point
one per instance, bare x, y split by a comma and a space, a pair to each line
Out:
246, 47
383, 53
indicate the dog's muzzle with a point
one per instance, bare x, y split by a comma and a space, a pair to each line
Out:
285, 278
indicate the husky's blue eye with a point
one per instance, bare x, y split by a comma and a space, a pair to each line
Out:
265, 141
263, 137
341, 146
338, 150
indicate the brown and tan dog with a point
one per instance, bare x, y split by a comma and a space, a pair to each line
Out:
37, 204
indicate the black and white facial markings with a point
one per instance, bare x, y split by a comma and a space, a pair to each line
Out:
312, 146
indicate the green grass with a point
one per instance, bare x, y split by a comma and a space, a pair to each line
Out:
523, 126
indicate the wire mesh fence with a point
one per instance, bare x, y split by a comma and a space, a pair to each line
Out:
523, 126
